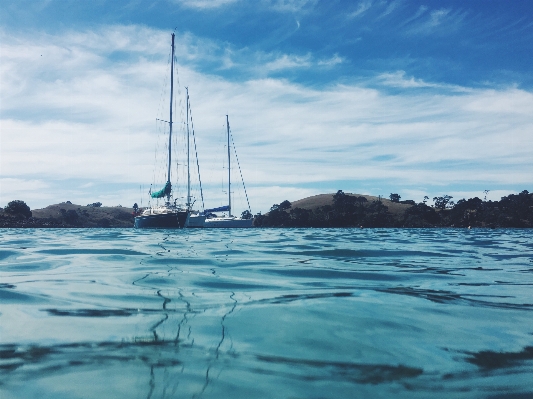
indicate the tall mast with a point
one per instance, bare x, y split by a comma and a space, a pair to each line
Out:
170, 121
188, 156
229, 169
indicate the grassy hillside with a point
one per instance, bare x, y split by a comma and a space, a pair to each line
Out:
317, 201
71, 215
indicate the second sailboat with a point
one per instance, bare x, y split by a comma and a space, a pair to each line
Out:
228, 221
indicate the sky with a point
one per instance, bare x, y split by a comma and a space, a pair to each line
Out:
371, 97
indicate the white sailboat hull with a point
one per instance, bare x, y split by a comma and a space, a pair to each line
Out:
196, 221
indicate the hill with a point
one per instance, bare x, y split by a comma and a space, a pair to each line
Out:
353, 210
316, 201
67, 214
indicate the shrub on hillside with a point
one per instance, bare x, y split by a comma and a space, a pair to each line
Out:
18, 208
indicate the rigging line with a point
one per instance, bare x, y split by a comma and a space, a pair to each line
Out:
158, 129
179, 106
175, 152
196, 153
240, 171
155, 151
224, 159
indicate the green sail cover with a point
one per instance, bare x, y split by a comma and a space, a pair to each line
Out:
163, 192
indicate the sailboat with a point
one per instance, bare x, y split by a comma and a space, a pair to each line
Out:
196, 219
228, 221
168, 215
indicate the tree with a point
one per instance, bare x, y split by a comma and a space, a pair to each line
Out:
17, 208
339, 196
443, 202
467, 213
395, 197
300, 217
421, 215
95, 204
246, 215
426, 198
70, 216
284, 205
281, 207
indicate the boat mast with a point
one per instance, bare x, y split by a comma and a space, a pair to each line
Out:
170, 121
229, 169
188, 156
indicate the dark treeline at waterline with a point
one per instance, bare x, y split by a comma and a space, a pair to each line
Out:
514, 210
65, 215
325, 210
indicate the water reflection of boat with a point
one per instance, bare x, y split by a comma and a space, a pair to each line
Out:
169, 215
229, 220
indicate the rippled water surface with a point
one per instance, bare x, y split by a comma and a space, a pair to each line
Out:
295, 313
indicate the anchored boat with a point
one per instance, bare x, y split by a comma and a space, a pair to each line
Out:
169, 215
229, 221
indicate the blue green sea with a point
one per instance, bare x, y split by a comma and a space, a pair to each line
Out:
266, 313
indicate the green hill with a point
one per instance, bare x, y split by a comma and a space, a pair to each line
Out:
67, 214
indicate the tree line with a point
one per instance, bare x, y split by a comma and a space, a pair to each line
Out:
514, 210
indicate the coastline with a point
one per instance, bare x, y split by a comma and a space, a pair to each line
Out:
339, 210
68, 215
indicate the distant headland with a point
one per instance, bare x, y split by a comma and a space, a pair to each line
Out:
65, 214
353, 210
323, 210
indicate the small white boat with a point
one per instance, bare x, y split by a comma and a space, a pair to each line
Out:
229, 221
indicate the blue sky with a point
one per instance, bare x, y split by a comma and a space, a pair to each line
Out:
372, 97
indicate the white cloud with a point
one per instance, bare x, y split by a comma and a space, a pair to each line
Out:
288, 62
511, 101
264, 64
442, 21
421, 11
24, 190
335, 60
399, 79
289, 5
361, 9
393, 5
205, 4
437, 17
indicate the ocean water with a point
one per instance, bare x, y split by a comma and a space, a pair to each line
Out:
266, 313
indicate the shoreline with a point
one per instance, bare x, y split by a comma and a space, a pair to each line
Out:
339, 210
